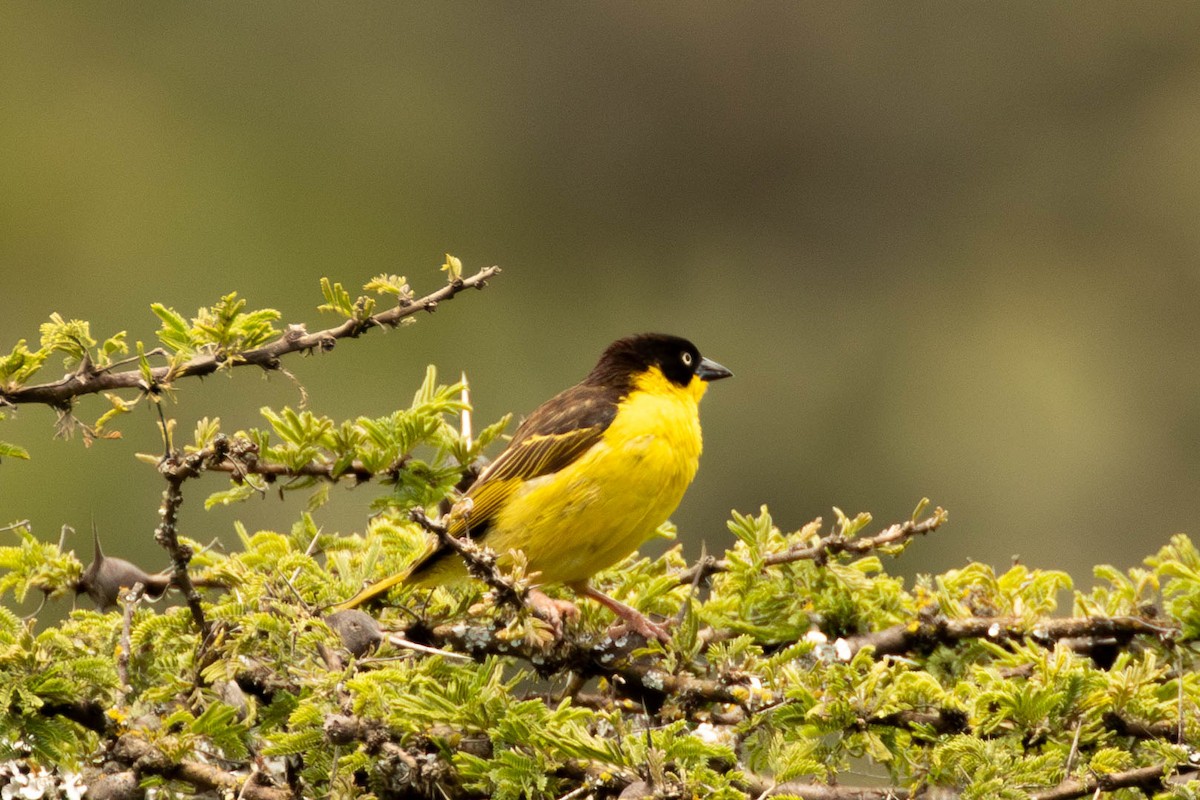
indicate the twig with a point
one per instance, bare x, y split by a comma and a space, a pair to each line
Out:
1148, 779
401, 642
1164, 729
130, 600
940, 721
177, 468
639, 678
146, 759
481, 562
827, 546
90, 380
820, 791
312, 469
926, 634
1074, 748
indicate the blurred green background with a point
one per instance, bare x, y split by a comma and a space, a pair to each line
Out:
947, 250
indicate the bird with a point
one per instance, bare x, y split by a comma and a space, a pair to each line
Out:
586, 478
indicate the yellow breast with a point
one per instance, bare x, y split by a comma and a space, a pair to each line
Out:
592, 514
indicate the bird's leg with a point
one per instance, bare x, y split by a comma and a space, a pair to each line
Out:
634, 619
550, 610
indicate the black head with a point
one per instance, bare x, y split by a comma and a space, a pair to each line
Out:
677, 358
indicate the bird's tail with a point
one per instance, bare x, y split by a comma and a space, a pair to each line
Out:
373, 591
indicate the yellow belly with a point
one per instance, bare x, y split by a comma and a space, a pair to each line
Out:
592, 514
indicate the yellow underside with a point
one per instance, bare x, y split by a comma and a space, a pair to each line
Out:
591, 514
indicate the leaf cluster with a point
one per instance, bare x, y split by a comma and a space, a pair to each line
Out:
982, 717
798, 661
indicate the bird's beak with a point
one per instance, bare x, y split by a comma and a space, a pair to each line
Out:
710, 370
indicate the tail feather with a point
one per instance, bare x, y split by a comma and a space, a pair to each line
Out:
372, 591
440, 566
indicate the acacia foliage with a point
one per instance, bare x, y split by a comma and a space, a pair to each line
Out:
799, 665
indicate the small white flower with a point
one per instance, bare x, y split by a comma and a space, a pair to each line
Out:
842, 648
708, 733
73, 786
35, 786
15, 784
653, 680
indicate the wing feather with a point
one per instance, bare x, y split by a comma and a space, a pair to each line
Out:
554, 436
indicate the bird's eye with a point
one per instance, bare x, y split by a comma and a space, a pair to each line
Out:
687, 358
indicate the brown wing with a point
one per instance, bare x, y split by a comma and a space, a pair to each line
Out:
560, 431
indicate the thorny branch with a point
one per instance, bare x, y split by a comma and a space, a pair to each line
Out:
481, 562
1079, 632
89, 379
827, 546
177, 468
1148, 779
144, 759
130, 602
613, 659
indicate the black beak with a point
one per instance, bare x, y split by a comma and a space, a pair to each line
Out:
710, 370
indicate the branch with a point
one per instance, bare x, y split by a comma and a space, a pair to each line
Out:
312, 469
820, 791
927, 634
177, 468
145, 759
130, 600
1137, 729
826, 546
637, 677
89, 380
91, 714
1149, 779
481, 562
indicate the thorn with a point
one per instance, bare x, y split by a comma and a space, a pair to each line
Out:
466, 412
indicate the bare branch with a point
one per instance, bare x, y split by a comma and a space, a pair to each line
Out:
89, 380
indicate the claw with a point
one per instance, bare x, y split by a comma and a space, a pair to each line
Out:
633, 619
551, 611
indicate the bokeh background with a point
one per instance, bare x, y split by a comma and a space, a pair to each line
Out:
948, 250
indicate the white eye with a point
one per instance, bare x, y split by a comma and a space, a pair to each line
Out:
687, 358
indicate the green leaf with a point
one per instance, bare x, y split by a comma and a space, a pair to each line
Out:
453, 269
337, 299
234, 494
20, 365
70, 337
219, 724
395, 285
175, 333
112, 345
8, 450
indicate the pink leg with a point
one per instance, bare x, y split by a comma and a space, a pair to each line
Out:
635, 619
552, 611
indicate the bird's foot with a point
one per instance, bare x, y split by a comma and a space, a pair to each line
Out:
630, 617
648, 629
551, 610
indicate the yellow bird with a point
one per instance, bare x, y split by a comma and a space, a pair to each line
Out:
588, 476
